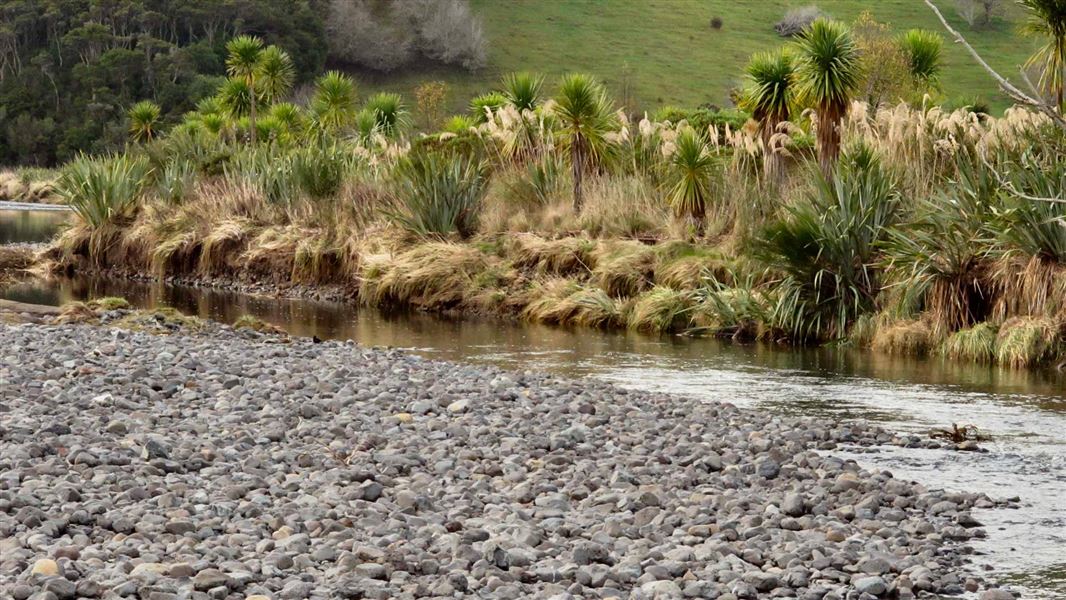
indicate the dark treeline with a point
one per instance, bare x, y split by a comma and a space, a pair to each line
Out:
70, 69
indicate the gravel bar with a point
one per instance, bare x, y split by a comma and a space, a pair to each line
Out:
230, 464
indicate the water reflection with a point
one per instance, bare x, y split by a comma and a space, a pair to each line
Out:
30, 226
1024, 411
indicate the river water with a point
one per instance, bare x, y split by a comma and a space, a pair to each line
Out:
1024, 412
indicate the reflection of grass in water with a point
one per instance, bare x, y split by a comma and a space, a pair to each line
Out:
1050, 580
26, 226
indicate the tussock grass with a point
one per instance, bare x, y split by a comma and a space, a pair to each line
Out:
907, 337
742, 313
15, 258
223, 243
256, 324
695, 268
974, 344
108, 303
436, 275
77, 312
566, 256
1027, 342
661, 310
1031, 287
624, 269
563, 302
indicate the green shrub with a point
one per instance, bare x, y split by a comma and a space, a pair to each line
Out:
976, 344
827, 247
390, 114
320, 169
438, 194
702, 119
175, 181
102, 190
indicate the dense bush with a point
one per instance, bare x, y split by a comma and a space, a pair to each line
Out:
796, 20
387, 35
438, 195
703, 119
71, 69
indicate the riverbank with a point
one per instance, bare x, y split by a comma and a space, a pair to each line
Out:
249, 463
666, 286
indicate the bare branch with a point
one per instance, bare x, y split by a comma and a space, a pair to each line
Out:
1009, 187
1009, 88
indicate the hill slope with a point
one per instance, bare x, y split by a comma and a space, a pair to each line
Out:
666, 52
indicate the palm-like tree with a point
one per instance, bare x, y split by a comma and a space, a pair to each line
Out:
523, 90
489, 101
235, 98
389, 112
274, 74
827, 73
1047, 20
144, 120
585, 117
924, 51
693, 165
769, 97
242, 64
334, 101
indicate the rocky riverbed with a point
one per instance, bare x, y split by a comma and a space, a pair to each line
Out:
232, 464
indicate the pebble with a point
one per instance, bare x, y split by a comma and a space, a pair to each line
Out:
240, 465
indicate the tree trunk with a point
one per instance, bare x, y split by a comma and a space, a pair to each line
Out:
577, 161
828, 140
251, 118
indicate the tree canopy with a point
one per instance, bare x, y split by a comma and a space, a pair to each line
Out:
71, 70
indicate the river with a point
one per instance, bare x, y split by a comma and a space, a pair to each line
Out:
1024, 412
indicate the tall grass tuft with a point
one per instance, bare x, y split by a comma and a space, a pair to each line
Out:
1027, 342
975, 344
438, 195
662, 310
102, 190
320, 169
906, 337
175, 181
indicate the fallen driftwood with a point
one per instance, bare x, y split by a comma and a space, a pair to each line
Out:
33, 309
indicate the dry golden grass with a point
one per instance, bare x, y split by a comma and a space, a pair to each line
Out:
565, 256
1029, 287
256, 324
77, 312
560, 301
432, 276
908, 337
661, 310
624, 268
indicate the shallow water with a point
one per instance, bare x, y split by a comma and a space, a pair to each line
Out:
30, 226
1023, 411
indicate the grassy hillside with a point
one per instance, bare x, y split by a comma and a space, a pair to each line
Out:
666, 52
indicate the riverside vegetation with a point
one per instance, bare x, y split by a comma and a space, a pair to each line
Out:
817, 214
